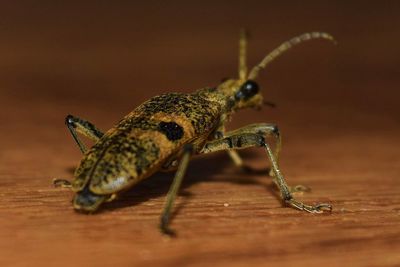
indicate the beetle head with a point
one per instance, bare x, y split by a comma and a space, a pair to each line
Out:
244, 92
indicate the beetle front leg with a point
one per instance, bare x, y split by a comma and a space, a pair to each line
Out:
286, 191
76, 125
264, 129
176, 183
247, 139
235, 156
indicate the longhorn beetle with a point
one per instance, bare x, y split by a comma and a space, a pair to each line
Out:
164, 133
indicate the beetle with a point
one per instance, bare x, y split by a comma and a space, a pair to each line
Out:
163, 133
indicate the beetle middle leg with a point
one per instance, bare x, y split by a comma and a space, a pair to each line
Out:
176, 183
245, 138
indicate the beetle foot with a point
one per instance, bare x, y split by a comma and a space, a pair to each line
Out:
62, 183
168, 231
164, 228
319, 208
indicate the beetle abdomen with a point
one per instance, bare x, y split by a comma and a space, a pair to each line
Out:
115, 162
144, 140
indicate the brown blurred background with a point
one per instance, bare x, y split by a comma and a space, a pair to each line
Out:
337, 108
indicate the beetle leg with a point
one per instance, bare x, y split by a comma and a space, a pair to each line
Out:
264, 129
299, 189
176, 183
234, 155
62, 183
244, 139
238, 161
76, 125
170, 165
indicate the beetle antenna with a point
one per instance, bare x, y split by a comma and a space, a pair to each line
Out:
242, 54
286, 46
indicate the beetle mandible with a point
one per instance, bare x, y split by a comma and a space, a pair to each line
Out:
164, 132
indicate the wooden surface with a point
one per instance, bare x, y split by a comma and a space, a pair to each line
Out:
337, 108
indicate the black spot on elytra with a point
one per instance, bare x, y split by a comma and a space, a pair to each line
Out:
172, 130
197, 109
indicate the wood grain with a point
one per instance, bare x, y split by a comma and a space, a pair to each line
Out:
337, 108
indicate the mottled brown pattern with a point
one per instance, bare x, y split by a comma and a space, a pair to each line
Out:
137, 146
125, 159
195, 107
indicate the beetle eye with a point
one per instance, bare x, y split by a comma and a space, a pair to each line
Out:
247, 90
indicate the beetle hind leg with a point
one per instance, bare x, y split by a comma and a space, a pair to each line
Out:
299, 189
62, 183
77, 125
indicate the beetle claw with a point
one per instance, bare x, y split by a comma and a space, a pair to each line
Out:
167, 231
318, 208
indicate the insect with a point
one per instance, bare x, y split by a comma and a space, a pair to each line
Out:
165, 132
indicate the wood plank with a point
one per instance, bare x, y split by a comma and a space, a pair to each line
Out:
337, 109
